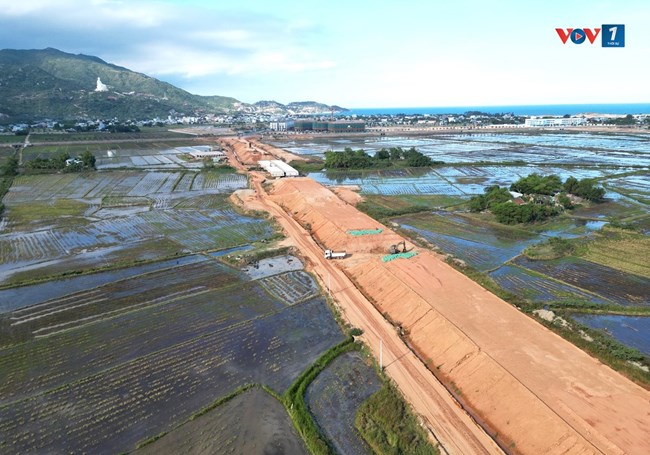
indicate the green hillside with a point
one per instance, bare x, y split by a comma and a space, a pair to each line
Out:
37, 84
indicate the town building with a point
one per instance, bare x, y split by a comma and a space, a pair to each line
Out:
543, 122
336, 126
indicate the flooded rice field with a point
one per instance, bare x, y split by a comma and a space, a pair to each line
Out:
622, 150
612, 284
177, 212
630, 330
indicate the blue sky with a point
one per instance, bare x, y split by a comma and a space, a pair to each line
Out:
354, 53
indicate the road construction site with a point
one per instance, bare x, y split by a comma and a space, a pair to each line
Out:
484, 377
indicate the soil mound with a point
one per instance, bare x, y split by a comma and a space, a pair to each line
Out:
537, 391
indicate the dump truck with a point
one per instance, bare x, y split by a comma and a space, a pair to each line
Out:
330, 254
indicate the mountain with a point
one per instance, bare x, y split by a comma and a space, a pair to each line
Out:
48, 83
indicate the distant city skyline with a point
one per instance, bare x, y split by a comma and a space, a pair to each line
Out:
354, 54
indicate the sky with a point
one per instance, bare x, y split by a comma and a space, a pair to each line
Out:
354, 53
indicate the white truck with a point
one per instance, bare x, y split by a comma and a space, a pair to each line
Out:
330, 254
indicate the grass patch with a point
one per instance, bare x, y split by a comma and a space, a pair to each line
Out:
305, 167
552, 248
294, 400
387, 425
620, 249
381, 207
46, 211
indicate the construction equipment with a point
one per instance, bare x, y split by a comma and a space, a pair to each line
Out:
330, 254
394, 249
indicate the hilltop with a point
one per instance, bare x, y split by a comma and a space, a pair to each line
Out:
49, 83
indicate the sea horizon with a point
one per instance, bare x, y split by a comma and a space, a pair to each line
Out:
523, 110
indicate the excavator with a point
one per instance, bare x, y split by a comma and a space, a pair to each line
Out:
394, 249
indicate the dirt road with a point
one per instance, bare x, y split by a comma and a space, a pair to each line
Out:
453, 427
537, 391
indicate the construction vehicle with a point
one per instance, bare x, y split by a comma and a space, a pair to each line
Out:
394, 249
330, 254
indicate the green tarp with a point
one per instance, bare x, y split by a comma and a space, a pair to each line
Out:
365, 231
390, 257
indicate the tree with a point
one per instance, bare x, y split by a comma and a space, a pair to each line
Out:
88, 159
396, 153
537, 184
382, 154
10, 167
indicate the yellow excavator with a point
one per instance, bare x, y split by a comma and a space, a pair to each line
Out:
394, 249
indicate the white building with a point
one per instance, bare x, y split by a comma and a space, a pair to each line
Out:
542, 122
278, 168
201, 151
281, 125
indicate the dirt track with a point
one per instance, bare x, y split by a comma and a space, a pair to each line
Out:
451, 425
540, 393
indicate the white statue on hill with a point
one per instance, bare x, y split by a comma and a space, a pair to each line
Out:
101, 87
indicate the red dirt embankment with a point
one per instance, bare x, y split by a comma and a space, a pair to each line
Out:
249, 151
537, 391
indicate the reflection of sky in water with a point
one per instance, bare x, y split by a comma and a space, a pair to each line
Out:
622, 150
462, 181
536, 288
489, 253
632, 331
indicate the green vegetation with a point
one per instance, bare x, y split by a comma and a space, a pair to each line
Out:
8, 170
537, 184
388, 426
359, 159
493, 195
63, 161
553, 248
53, 84
294, 400
381, 207
538, 202
620, 249
584, 188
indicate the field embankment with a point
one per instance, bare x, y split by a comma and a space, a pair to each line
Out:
537, 392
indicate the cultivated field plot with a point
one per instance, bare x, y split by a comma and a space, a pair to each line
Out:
291, 287
251, 423
140, 373
86, 217
191, 230
273, 266
612, 284
87, 306
497, 147
335, 396
630, 330
445, 180
124, 183
633, 186
15, 298
480, 245
149, 158
523, 283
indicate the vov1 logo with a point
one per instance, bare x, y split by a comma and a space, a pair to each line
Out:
613, 35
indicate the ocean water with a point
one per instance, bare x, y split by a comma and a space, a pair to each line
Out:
550, 109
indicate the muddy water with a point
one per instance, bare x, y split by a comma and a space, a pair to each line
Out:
14, 298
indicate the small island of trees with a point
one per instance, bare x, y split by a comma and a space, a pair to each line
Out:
541, 197
395, 156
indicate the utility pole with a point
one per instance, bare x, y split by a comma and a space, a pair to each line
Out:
381, 354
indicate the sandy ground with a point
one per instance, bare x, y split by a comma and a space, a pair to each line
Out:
452, 426
248, 151
538, 392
